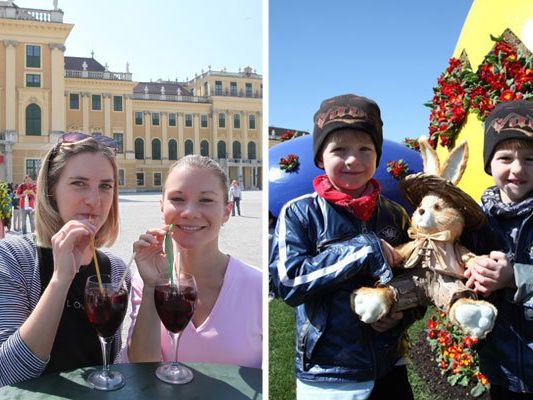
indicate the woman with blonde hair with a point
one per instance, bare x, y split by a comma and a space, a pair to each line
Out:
226, 325
43, 326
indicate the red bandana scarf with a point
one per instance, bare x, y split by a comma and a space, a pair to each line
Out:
362, 206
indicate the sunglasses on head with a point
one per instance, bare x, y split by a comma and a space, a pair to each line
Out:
74, 137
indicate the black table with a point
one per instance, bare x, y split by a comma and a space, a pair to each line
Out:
211, 381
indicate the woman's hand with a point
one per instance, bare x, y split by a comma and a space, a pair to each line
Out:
68, 246
486, 274
149, 256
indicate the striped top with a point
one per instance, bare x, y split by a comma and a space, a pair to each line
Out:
20, 291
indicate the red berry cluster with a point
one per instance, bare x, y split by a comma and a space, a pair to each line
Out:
289, 163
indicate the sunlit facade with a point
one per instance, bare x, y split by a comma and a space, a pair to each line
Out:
44, 93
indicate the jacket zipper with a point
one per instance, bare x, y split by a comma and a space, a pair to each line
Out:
515, 235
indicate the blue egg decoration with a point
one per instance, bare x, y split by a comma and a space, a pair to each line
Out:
284, 186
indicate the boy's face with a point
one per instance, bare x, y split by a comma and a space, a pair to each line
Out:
349, 160
512, 170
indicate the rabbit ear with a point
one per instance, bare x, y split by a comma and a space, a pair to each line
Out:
455, 165
429, 157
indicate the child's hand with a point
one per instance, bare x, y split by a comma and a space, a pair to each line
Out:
387, 322
392, 257
489, 273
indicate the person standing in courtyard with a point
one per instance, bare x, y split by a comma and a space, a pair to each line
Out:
235, 197
16, 210
26, 195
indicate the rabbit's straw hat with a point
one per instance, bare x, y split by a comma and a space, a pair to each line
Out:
415, 186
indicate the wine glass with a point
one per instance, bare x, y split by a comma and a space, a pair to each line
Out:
175, 302
106, 306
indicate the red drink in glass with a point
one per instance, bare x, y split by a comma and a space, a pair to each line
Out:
175, 307
175, 300
105, 305
105, 309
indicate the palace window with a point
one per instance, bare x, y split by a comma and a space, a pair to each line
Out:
74, 101
189, 147
117, 103
251, 121
33, 120
218, 88
155, 118
237, 121
251, 151
138, 118
204, 148
221, 120
172, 119
119, 138
33, 56
156, 149
121, 178
139, 149
33, 80
96, 102
203, 121
32, 167
172, 149
248, 88
140, 178
188, 120
157, 178
233, 88
237, 150
221, 149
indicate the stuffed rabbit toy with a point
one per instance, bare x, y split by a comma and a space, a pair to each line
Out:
434, 261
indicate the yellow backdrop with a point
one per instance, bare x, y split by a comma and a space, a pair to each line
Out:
485, 18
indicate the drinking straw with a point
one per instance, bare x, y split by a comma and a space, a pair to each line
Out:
97, 266
121, 282
98, 276
170, 253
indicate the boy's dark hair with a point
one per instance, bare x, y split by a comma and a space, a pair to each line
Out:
347, 111
509, 120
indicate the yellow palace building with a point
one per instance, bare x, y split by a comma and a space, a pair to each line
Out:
44, 93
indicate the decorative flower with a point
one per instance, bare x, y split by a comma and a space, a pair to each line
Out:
450, 101
506, 73
411, 143
290, 163
286, 136
398, 169
455, 354
5, 202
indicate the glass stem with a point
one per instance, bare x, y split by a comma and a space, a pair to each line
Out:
106, 353
176, 337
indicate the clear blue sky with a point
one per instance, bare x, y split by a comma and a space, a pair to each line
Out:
390, 51
163, 38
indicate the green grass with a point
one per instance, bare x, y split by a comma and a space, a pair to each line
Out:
281, 355
282, 384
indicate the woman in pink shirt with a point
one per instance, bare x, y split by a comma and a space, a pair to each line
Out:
226, 327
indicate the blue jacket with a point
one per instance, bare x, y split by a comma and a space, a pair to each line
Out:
320, 254
507, 353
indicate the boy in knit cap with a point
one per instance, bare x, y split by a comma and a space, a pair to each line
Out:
332, 241
506, 276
